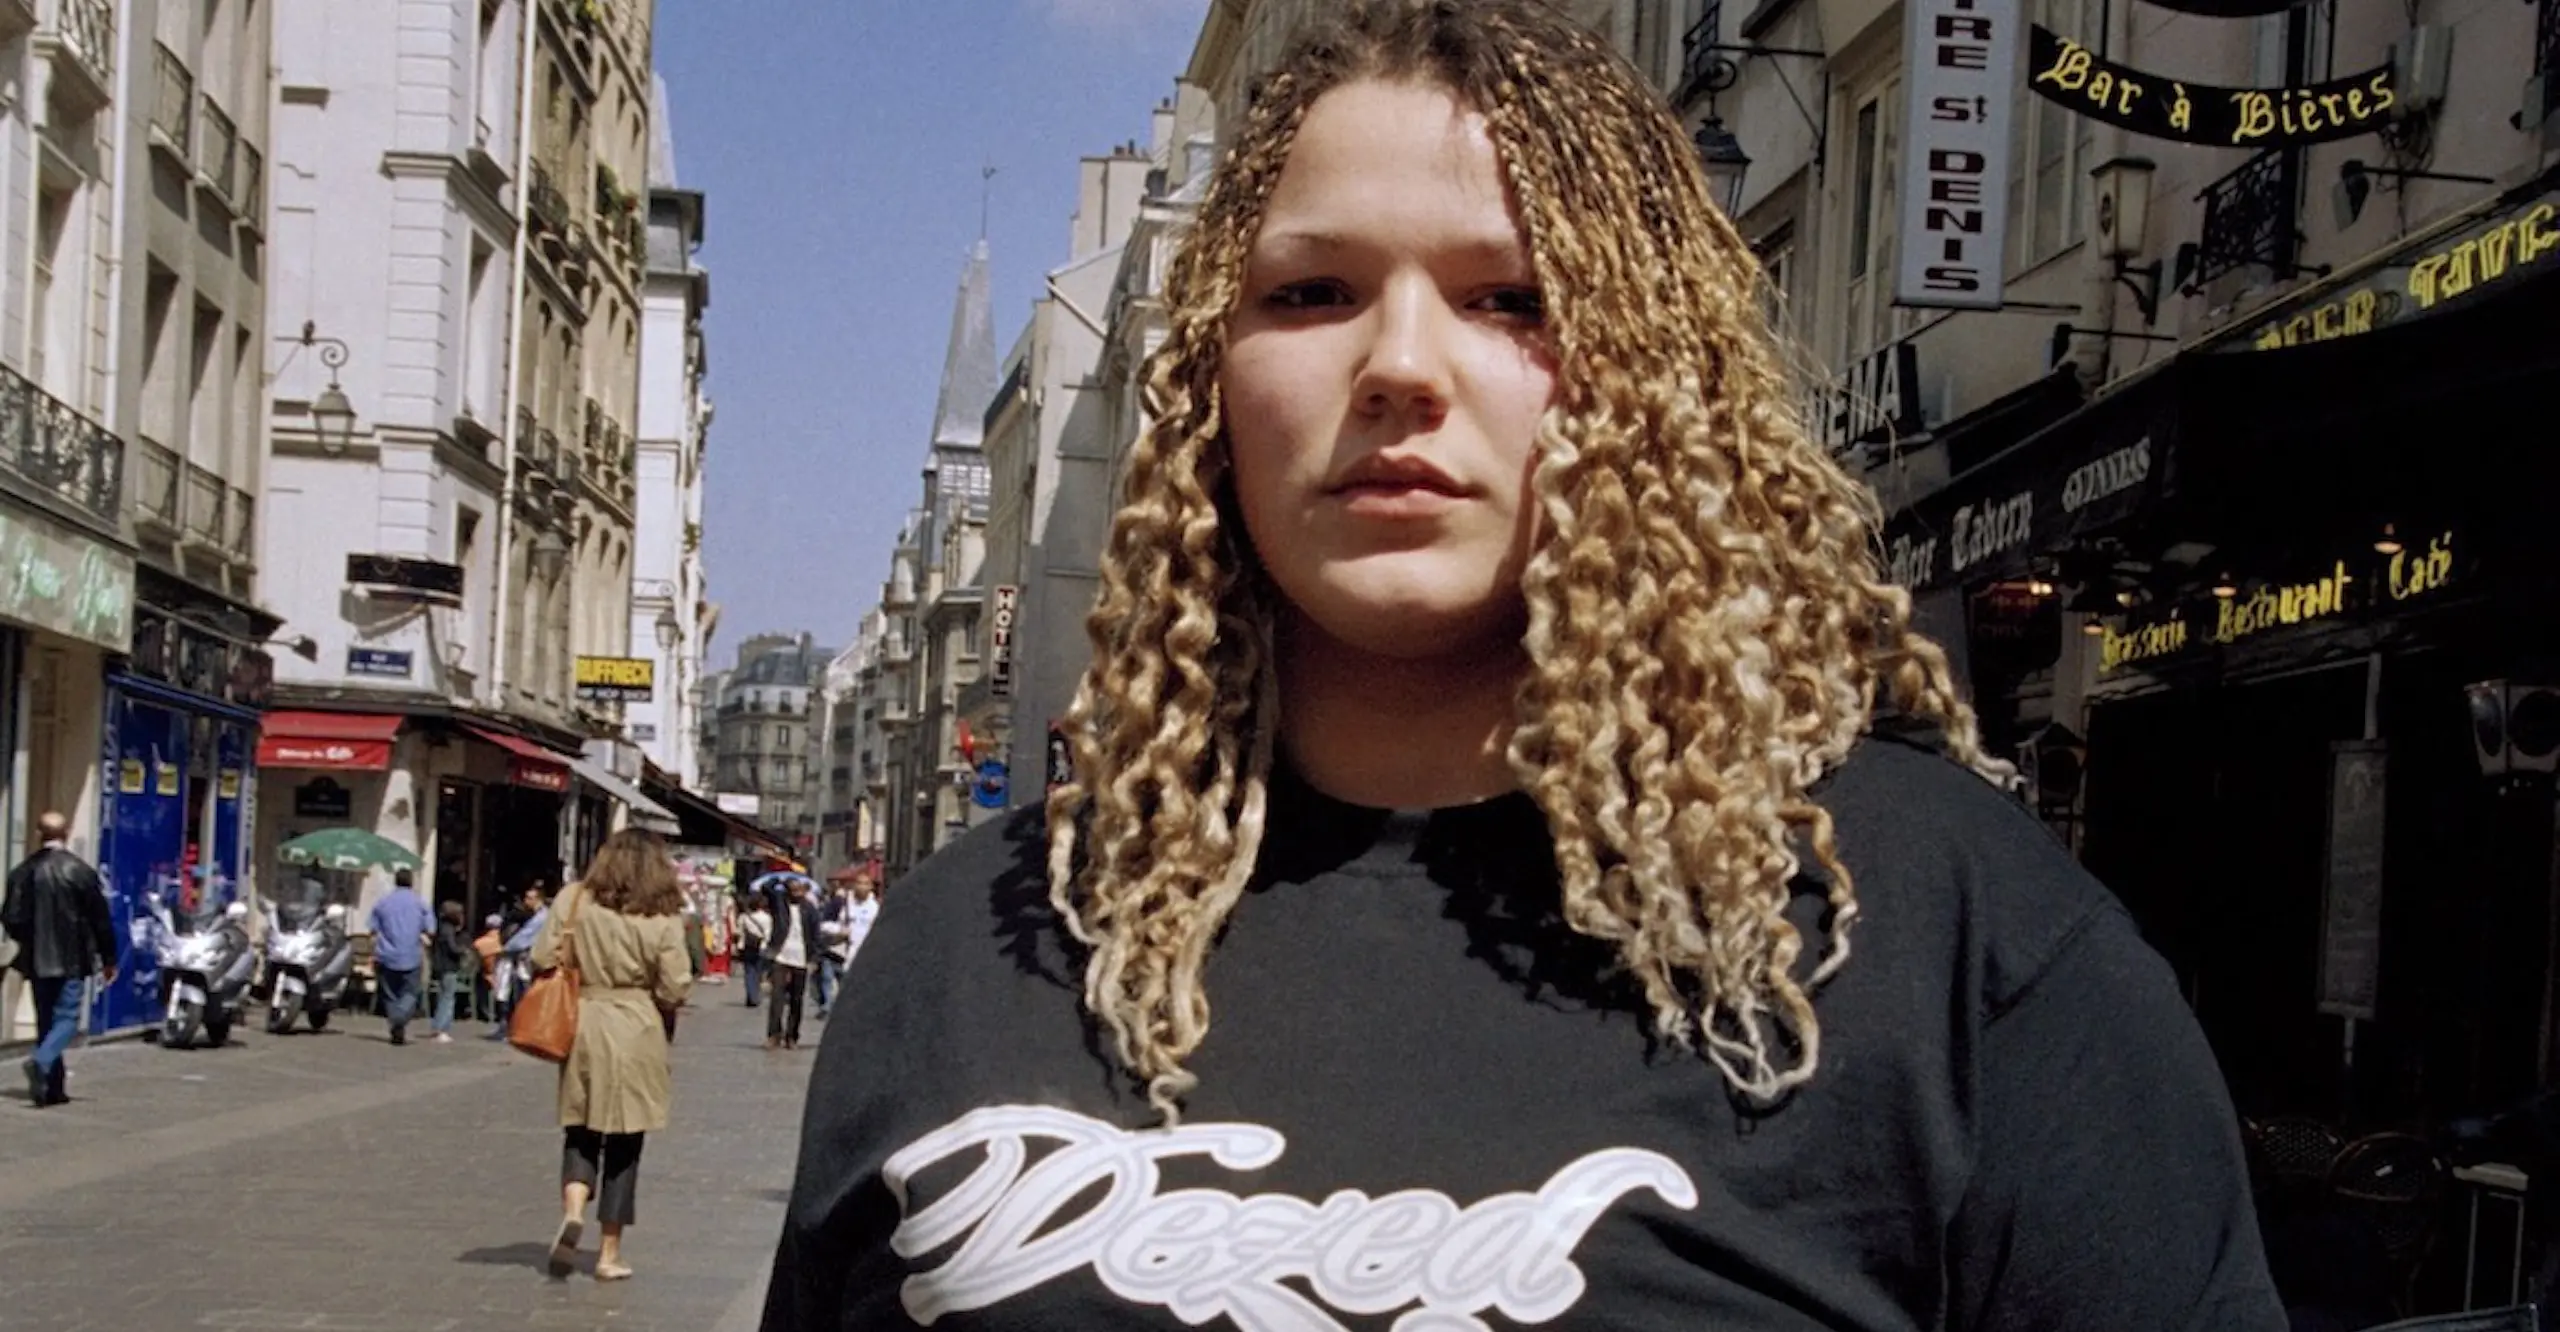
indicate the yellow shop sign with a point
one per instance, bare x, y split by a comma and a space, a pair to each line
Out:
2477, 258
2409, 574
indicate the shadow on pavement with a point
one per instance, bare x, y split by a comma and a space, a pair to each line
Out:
532, 1255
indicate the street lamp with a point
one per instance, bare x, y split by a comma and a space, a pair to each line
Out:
333, 418
549, 554
1725, 162
668, 630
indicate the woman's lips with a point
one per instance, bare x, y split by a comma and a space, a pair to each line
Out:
1396, 500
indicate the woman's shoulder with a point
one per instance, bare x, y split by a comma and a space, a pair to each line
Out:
1941, 856
983, 899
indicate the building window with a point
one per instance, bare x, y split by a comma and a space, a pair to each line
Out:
2050, 152
1874, 153
53, 353
1777, 255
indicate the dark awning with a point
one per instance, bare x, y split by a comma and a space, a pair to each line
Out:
2244, 444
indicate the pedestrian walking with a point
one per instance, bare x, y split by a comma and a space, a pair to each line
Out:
57, 915
856, 910
519, 923
755, 926
451, 966
402, 929
620, 926
791, 948
1499, 730
827, 968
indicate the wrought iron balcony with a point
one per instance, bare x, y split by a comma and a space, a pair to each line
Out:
207, 521
526, 430
548, 453
217, 150
250, 203
173, 103
79, 38
1699, 60
545, 204
243, 543
2251, 217
59, 451
155, 486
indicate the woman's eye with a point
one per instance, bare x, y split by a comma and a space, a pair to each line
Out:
1310, 295
1526, 304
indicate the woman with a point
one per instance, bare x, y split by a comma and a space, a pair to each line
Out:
620, 927
754, 928
1498, 735
449, 967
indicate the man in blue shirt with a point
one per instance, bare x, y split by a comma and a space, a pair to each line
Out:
402, 924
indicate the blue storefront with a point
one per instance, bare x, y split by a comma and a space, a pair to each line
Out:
181, 728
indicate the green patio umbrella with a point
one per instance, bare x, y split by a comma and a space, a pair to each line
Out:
346, 849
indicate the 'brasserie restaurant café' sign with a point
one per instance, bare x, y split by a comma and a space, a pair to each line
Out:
2163, 108
2184, 630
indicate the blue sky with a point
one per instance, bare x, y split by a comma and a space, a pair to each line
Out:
839, 144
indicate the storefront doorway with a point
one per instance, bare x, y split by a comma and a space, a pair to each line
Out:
173, 823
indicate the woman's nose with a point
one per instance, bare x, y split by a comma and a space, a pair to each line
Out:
1406, 369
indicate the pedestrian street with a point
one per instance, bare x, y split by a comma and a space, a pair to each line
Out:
333, 1181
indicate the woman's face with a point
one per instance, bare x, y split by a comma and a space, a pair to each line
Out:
1384, 378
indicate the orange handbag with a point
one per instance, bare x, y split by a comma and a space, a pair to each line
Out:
544, 1023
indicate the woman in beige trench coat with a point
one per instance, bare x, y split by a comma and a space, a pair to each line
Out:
621, 927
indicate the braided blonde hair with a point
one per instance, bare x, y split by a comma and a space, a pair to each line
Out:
1708, 628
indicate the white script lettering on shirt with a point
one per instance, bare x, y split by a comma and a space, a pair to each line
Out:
1202, 1252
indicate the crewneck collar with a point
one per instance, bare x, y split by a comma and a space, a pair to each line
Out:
1310, 832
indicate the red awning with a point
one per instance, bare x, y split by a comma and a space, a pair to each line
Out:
537, 766
337, 741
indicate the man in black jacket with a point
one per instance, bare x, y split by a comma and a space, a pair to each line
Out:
57, 915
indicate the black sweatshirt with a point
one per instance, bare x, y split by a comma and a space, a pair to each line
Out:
1425, 1104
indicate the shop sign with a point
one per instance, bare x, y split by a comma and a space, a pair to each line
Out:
2159, 107
1000, 641
988, 791
54, 579
284, 751
402, 573
2192, 627
1955, 168
321, 798
644, 732
2351, 882
379, 662
2423, 279
536, 773
617, 679
1877, 399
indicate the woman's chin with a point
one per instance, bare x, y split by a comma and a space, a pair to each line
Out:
1415, 624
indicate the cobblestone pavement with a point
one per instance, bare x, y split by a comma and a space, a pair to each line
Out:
333, 1181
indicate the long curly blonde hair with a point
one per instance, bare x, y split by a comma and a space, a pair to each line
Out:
1708, 628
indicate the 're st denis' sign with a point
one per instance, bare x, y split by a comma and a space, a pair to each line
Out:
1960, 90
617, 679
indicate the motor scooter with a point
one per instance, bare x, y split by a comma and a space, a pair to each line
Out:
309, 959
205, 967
